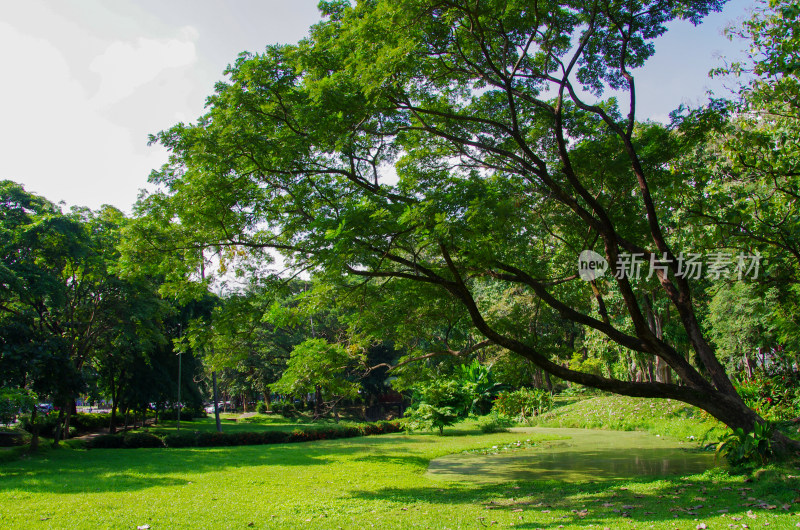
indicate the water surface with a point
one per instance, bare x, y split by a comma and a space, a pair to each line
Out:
585, 455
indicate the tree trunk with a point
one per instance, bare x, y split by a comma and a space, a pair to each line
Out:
548, 382
59, 426
70, 406
318, 402
748, 366
537, 377
34, 429
112, 426
216, 401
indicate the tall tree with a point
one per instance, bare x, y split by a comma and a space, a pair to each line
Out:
470, 149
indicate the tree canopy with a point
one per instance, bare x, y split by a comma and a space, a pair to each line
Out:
469, 154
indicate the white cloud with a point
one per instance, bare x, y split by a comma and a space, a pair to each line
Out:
126, 66
53, 139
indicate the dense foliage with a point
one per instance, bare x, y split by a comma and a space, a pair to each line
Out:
430, 192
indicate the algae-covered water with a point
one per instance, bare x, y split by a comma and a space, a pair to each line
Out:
581, 456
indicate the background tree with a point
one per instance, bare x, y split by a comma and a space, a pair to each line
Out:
319, 367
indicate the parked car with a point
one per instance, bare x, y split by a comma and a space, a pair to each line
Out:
44, 407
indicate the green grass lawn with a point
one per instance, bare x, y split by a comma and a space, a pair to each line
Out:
376, 481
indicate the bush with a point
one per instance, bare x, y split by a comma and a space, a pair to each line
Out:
227, 439
14, 438
92, 421
47, 423
775, 395
495, 423
523, 403
180, 439
141, 440
274, 437
739, 447
246, 438
186, 414
106, 441
261, 408
378, 427
284, 407
439, 404
324, 433
213, 439
427, 416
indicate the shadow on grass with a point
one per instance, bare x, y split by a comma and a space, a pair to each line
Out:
551, 503
106, 470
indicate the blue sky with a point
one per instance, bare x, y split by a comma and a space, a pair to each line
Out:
86, 81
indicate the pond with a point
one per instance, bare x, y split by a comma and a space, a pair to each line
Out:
581, 456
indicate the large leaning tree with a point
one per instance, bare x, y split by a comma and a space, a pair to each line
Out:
463, 146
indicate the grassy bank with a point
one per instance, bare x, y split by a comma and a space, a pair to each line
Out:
663, 417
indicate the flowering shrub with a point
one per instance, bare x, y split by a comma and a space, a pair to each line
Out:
774, 395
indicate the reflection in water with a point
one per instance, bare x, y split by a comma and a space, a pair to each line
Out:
586, 455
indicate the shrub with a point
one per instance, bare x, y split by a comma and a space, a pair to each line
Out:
223, 439
478, 381
775, 395
213, 439
186, 414
439, 404
246, 438
284, 407
324, 433
261, 408
180, 439
523, 403
427, 416
141, 440
47, 423
739, 447
14, 438
92, 421
274, 437
106, 441
495, 423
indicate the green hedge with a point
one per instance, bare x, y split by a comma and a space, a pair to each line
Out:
229, 439
80, 422
187, 414
106, 441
